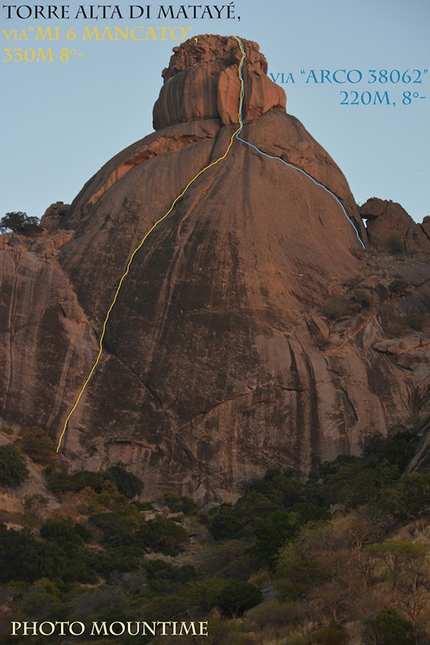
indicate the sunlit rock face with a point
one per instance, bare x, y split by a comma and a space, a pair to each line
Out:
219, 359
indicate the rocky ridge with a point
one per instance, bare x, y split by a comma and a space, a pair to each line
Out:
252, 331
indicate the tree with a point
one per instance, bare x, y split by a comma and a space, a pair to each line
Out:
20, 222
128, 484
407, 498
401, 556
238, 595
162, 535
331, 595
389, 628
270, 535
224, 524
204, 593
24, 557
13, 470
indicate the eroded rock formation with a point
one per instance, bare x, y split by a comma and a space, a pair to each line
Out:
238, 341
391, 229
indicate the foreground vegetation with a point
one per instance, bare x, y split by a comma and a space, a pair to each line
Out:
342, 558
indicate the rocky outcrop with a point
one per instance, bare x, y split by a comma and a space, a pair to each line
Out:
201, 83
391, 229
52, 217
238, 341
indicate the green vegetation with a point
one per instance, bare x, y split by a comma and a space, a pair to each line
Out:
335, 307
237, 596
37, 444
19, 222
405, 325
62, 482
398, 286
361, 575
13, 470
362, 296
387, 628
395, 244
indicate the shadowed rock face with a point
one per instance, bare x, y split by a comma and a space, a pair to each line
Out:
220, 360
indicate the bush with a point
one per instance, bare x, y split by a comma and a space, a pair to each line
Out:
395, 244
13, 470
398, 286
177, 504
330, 635
162, 535
238, 595
61, 532
281, 489
119, 526
62, 482
25, 558
204, 593
405, 324
20, 222
407, 498
389, 628
163, 577
415, 321
362, 297
270, 615
335, 307
128, 484
224, 524
270, 535
227, 560
37, 444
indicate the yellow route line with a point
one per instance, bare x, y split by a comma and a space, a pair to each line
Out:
154, 226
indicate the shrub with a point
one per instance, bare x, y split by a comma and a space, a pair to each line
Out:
13, 470
330, 635
62, 482
398, 286
61, 532
405, 324
128, 484
415, 321
23, 557
118, 526
270, 615
162, 535
395, 244
164, 577
35, 503
178, 504
204, 593
226, 560
270, 535
389, 628
37, 444
362, 297
335, 307
224, 525
396, 328
408, 497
